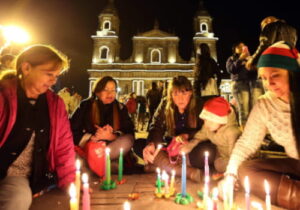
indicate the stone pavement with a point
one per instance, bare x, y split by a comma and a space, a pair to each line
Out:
142, 184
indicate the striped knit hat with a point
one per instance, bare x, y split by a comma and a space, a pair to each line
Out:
216, 110
280, 55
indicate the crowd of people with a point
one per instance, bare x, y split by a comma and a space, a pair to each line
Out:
39, 135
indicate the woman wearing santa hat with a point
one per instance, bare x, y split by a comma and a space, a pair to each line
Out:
276, 112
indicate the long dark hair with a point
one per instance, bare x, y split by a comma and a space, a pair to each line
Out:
294, 78
99, 86
179, 83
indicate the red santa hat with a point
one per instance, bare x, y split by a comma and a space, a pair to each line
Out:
216, 110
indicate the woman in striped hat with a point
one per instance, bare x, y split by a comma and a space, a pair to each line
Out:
277, 113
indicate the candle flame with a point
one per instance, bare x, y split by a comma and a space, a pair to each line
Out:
267, 187
256, 205
247, 184
215, 193
121, 150
107, 151
126, 205
77, 164
85, 178
206, 153
183, 153
159, 146
173, 172
164, 175
158, 170
72, 190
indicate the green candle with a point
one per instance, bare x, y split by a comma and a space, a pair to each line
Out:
108, 178
158, 180
120, 171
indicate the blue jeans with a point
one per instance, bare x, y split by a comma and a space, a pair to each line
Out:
15, 193
246, 94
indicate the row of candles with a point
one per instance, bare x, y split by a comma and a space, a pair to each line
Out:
212, 203
74, 190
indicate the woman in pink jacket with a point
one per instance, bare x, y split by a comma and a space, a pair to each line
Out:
36, 143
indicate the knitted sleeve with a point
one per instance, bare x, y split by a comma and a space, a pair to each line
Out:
250, 140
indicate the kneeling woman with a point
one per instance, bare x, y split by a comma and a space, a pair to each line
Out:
177, 116
277, 113
102, 118
36, 144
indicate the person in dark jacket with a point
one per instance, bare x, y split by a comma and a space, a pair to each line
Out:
272, 31
153, 97
177, 116
102, 118
246, 88
207, 73
36, 144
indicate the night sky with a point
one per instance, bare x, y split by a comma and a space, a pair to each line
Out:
69, 24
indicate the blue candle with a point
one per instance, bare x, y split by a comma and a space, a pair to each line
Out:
183, 176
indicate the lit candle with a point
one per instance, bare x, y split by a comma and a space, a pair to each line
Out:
158, 148
126, 205
86, 193
206, 165
256, 205
247, 192
73, 198
120, 170
158, 180
215, 199
165, 177
172, 183
183, 176
77, 179
228, 192
268, 197
107, 166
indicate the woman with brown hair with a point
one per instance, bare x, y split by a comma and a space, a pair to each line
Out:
177, 116
102, 118
36, 144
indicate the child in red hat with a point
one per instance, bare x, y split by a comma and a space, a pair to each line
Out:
220, 127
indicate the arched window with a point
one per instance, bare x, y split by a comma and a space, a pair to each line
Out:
155, 56
106, 25
104, 53
203, 27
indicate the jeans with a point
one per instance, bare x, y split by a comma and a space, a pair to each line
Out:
15, 193
246, 93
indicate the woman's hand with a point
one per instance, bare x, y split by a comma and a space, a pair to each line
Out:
104, 133
229, 183
148, 153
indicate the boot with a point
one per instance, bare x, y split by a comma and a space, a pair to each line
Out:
288, 193
162, 161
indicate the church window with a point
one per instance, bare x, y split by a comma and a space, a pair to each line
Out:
106, 25
104, 53
203, 27
155, 56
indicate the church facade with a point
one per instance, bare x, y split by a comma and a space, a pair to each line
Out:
155, 55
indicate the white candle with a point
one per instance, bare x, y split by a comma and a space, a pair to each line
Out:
86, 193
126, 205
165, 177
268, 197
73, 197
158, 148
172, 184
77, 179
247, 192
256, 205
215, 198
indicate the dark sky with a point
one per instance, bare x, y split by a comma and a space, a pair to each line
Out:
69, 24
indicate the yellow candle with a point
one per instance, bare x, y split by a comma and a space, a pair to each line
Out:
77, 179
268, 197
73, 198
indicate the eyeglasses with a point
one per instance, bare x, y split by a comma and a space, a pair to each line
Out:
109, 91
